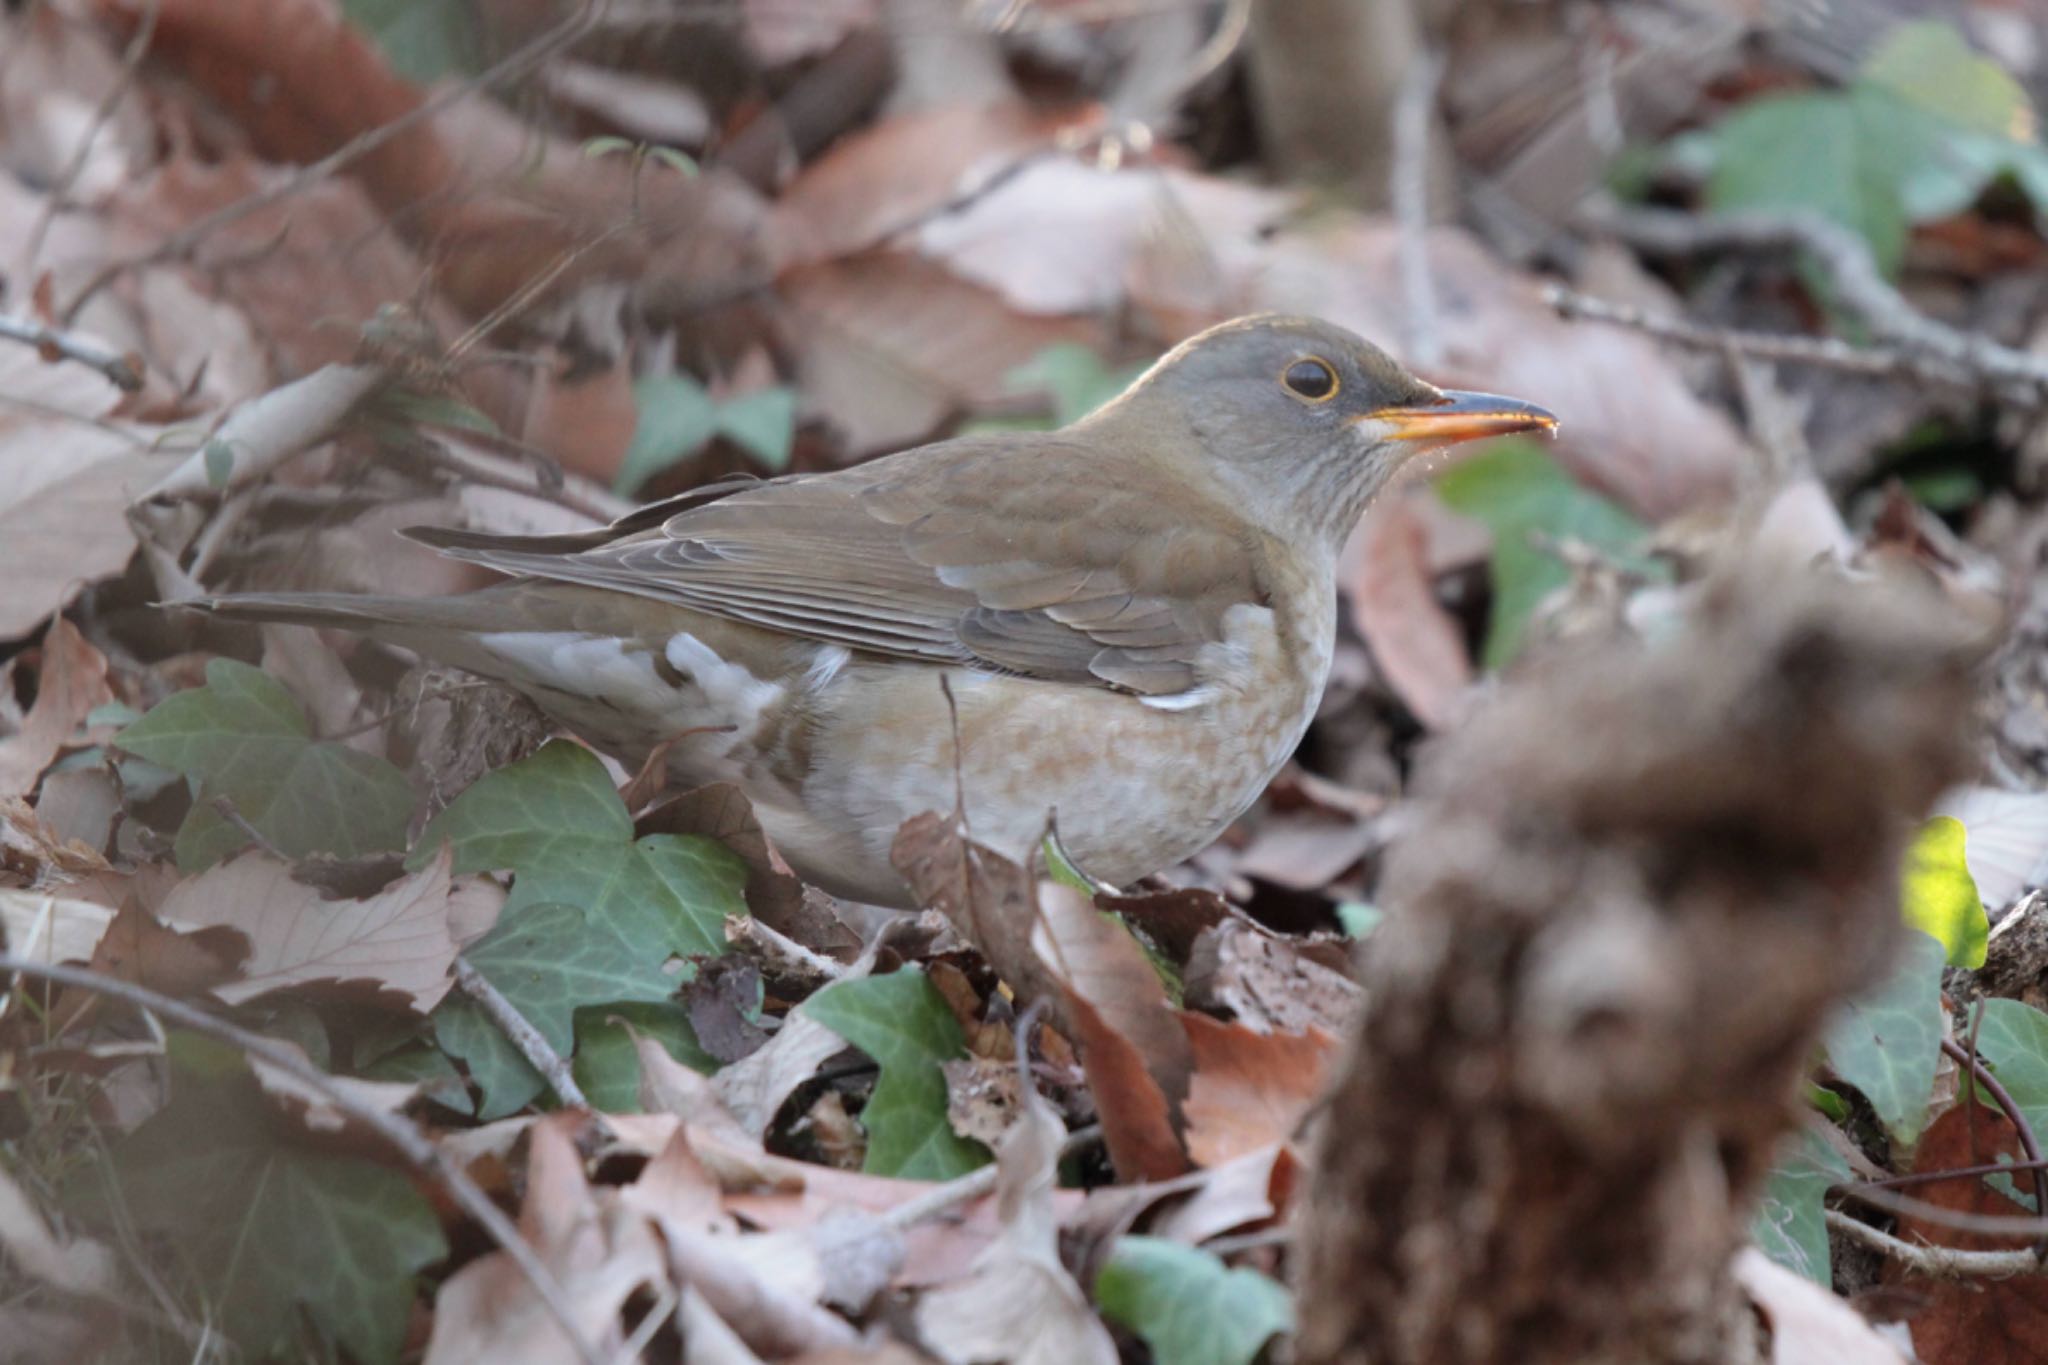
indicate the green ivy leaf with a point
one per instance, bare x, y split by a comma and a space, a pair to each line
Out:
1791, 1218
431, 1071
1917, 136
1519, 491
505, 1081
423, 40
762, 423
902, 1022
242, 736
1189, 1307
556, 823
1837, 155
2012, 1039
548, 961
1359, 918
1886, 1042
1938, 896
1928, 64
1075, 378
267, 1224
677, 416
607, 1065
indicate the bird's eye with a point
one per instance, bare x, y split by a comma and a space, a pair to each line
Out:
1311, 379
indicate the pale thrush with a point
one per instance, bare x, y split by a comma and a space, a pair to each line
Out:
1135, 613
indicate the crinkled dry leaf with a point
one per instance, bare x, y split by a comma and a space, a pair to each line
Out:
1808, 1325
1414, 641
1019, 1304
72, 682
1268, 983
600, 1251
396, 942
1249, 1090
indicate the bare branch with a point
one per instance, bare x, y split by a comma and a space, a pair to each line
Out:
1828, 352
1859, 287
1941, 1263
524, 1036
404, 1136
121, 371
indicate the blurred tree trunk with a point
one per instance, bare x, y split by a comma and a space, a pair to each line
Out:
1326, 76
1642, 881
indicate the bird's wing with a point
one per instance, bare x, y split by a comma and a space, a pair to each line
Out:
1016, 554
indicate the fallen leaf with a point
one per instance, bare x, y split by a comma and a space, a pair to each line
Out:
1252, 1188
1249, 1090
72, 682
600, 1251
1974, 1322
1809, 1324
1018, 1303
396, 942
1136, 1058
1067, 237
1269, 983
43, 926
891, 346
1414, 641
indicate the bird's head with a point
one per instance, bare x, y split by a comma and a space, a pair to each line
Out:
1297, 421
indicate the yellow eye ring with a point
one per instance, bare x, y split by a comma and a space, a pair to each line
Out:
1311, 379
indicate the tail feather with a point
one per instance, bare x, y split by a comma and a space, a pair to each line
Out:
363, 614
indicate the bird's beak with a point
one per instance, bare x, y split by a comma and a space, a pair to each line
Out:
1461, 416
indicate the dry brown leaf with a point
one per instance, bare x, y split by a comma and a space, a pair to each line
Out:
981, 1097
318, 1109
46, 927
63, 511
1809, 1325
1250, 1090
882, 179
1066, 237
72, 682
890, 346
1415, 642
1974, 1322
1136, 1058
138, 947
1268, 983
397, 942
1019, 1304
601, 1252
1248, 1189
1304, 850
1050, 943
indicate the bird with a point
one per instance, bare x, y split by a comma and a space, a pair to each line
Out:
1124, 625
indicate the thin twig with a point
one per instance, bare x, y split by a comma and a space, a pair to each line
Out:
1858, 285
401, 1133
1896, 1182
1880, 362
539, 1053
225, 807
1409, 194
59, 197
180, 244
1943, 1263
119, 370
2029, 1143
